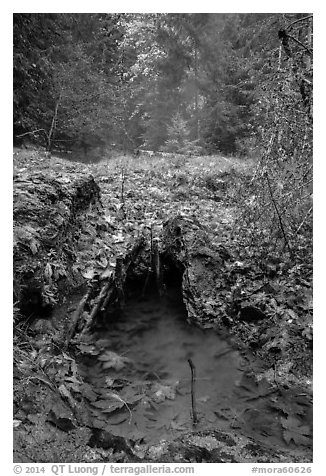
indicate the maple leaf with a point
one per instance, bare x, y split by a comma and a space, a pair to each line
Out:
162, 392
295, 431
252, 390
88, 392
287, 407
109, 405
88, 349
130, 396
111, 360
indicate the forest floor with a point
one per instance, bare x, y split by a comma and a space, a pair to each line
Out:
138, 195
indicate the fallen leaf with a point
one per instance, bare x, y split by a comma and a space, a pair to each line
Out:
162, 392
16, 423
118, 238
295, 431
88, 392
108, 405
118, 418
251, 390
111, 360
89, 273
64, 424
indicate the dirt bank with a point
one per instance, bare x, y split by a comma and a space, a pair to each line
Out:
71, 243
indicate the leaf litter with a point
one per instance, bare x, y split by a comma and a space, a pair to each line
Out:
142, 211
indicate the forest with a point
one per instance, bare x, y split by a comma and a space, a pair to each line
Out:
163, 158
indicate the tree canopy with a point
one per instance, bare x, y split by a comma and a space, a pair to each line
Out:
98, 79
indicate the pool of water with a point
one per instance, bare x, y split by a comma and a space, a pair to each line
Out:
142, 380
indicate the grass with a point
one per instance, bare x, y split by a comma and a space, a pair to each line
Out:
193, 165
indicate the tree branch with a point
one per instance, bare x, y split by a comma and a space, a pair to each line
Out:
301, 44
277, 212
297, 21
33, 132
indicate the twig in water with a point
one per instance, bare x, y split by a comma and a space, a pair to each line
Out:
156, 266
193, 395
222, 353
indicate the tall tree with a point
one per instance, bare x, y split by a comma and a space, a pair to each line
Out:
64, 70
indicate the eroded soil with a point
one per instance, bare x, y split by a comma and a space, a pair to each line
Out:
117, 393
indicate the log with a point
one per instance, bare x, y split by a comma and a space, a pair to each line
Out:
188, 246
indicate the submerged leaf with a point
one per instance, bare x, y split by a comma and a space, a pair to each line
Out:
162, 392
113, 361
108, 405
295, 431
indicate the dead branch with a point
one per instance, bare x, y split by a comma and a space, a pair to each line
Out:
107, 300
119, 280
131, 255
297, 21
123, 177
301, 44
33, 132
304, 220
193, 392
147, 280
156, 266
114, 286
277, 212
96, 307
75, 318
51, 133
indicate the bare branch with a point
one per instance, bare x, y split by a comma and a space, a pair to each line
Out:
301, 44
33, 132
303, 221
277, 212
297, 21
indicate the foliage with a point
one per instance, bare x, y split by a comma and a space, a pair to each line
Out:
277, 203
36, 41
155, 187
98, 79
63, 68
178, 138
295, 431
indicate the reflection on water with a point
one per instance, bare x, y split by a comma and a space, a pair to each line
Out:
143, 382
157, 340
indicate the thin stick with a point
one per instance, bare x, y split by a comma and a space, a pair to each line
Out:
33, 132
193, 395
301, 44
156, 266
296, 21
277, 212
303, 221
99, 301
123, 176
119, 280
75, 318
